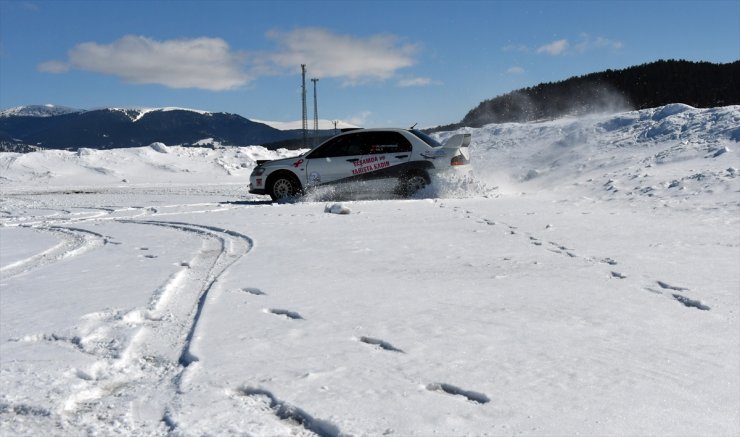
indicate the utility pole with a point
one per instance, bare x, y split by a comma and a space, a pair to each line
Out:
315, 114
303, 98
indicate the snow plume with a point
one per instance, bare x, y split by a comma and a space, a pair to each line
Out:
205, 63
596, 98
549, 102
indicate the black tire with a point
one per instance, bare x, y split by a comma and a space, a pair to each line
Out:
412, 183
284, 186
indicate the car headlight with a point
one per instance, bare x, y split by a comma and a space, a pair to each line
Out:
258, 171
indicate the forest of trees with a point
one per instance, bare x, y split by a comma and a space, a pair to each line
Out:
698, 84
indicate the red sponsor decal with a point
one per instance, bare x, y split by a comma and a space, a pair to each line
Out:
298, 163
376, 166
366, 161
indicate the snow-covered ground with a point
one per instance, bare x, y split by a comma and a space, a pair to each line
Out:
587, 282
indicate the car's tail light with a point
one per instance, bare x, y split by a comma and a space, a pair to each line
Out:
459, 160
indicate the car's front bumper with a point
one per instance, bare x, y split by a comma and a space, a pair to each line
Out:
257, 184
258, 190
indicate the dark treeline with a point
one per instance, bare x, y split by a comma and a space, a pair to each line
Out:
698, 84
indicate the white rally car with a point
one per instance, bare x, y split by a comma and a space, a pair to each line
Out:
395, 160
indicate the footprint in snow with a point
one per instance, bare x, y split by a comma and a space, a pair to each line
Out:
478, 398
691, 303
684, 300
381, 344
667, 286
609, 261
285, 313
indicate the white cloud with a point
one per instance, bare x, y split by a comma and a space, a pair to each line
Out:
515, 70
205, 63
209, 63
587, 42
354, 60
584, 44
53, 67
359, 119
417, 81
554, 48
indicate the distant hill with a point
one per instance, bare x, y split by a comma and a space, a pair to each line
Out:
38, 111
698, 84
45, 127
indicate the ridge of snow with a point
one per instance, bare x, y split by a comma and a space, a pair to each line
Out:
47, 110
137, 113
324, 124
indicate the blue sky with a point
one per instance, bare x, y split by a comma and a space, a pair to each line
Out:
379, 63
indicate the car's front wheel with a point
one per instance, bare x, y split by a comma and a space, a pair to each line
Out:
284, 186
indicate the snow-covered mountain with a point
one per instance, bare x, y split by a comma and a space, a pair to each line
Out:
131, 127
584, 281
47, 110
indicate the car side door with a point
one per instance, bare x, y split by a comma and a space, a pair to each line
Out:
335, 160
387, 151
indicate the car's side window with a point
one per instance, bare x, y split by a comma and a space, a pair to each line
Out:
345, 145
386, 142
355, 145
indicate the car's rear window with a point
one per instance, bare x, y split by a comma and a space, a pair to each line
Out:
426, 138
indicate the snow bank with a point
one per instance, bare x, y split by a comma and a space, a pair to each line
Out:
337, 208
632, 154
159, 147
156, 163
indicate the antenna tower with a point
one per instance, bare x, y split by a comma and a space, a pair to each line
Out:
303, 99
315, 114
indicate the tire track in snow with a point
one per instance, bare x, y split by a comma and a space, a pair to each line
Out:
75, 242
143, 384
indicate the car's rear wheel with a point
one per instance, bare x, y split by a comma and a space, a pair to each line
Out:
284, 186
412, 183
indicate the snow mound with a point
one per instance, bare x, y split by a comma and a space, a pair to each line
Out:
154, 164
337, 208
159, 147
82, 151
672, 152
669, 110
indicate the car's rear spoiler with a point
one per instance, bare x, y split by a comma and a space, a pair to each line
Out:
457, 141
